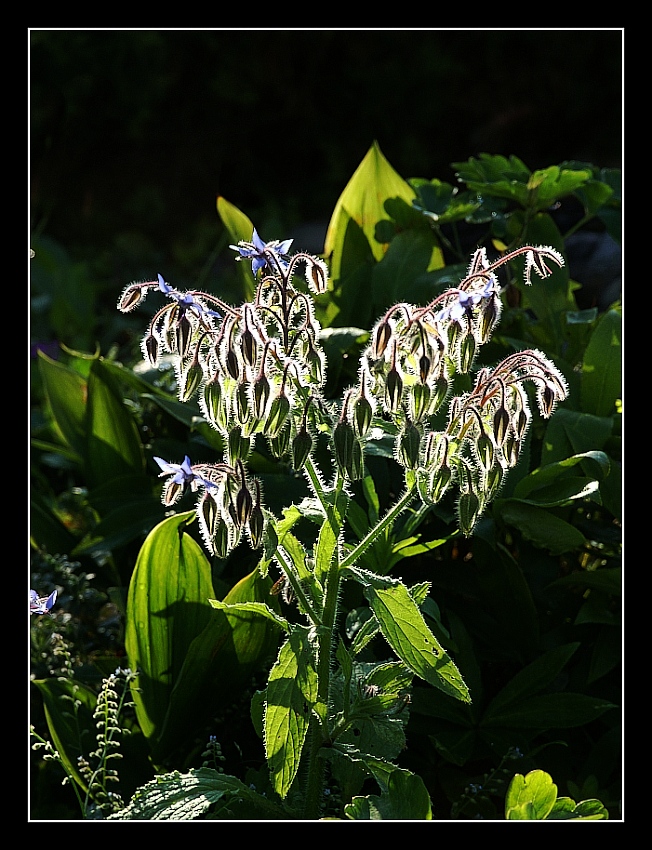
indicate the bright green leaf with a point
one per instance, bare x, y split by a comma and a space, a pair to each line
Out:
530, 797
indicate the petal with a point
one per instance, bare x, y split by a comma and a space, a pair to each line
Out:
284, 247
257, 241
162, 285
165, 466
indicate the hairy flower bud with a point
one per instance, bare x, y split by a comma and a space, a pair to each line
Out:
256, 526
248, 347
280, 444
393, 390
232, 364
150, 349
409, 445
438, 395
484, 448
362, 415
261, 392
438, 482
278, 413
191, 380
419, 401
501, 425
213, 403
467, 352
183, 335
381, 338
244, 504
301, 448
239, 446
468, 511
343, 442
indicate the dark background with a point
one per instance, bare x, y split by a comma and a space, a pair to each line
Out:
135, 133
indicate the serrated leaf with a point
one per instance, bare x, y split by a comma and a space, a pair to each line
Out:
185, 796
404, 628
291, 695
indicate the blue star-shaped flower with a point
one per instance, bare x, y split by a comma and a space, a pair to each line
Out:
41, 604
256, 251
185, 300
465, 301
183, 473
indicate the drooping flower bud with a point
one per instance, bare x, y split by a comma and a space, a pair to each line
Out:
343, 442
468, 512
355, 469
382, 336
280, 444
467, 352
278, 413
183, 335
248, 347
244, 504
419, 401
232, 364
409, 445
150, 349
485, 450
438, 482
362, 415
501, 425
393, 390
132, 297
438, 395
239, 446
301, 448
191, 379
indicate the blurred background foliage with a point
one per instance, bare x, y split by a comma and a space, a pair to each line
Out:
135, 133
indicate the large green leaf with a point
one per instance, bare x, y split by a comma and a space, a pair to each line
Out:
602, 366
240, 634
530, 797
291, 694
540, 526
403, 627
113, 446
404, 796
167, 607
66, 393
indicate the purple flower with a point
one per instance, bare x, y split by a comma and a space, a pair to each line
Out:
41, 604
466, 301
182, 474
258, 252
186, 300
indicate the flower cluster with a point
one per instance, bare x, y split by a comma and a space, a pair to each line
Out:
259, 369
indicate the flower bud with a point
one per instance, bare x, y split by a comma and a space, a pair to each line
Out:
424, 367
183, 335
214, 404
409, 444
241, 405
191, 380
393, 390
232, 364
248, 347
315, 364
256, 526
468, 511
485, 450
280, 444
419, 401
131, 298
501, 425
438, 482
239, 446
511, 448
438, 395
467, 352
355, 469
301, 448
277, 415
343, 442
494, 481
382, 337
150, 348
261, 395
244, 504
362, 415
222, 538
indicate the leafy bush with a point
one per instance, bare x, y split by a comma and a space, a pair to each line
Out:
379, 539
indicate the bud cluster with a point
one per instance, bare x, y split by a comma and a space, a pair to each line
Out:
259, 370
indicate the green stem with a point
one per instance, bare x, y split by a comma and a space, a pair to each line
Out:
371, 536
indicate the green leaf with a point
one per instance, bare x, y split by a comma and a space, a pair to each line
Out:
66, 392
405, 797
363, 201
404, 628
72, 729
240, 229
567, 809
602, 366
113, 445
222, 658
539, 526
549, 711
535, 677
291, 695
530, 797
167, 607
186, 796
608, 580
258, 608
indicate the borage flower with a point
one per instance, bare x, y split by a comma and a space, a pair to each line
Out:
41, 604
465, 301
186, 300
183, 475
259, 252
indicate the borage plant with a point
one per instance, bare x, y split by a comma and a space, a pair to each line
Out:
259, 371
